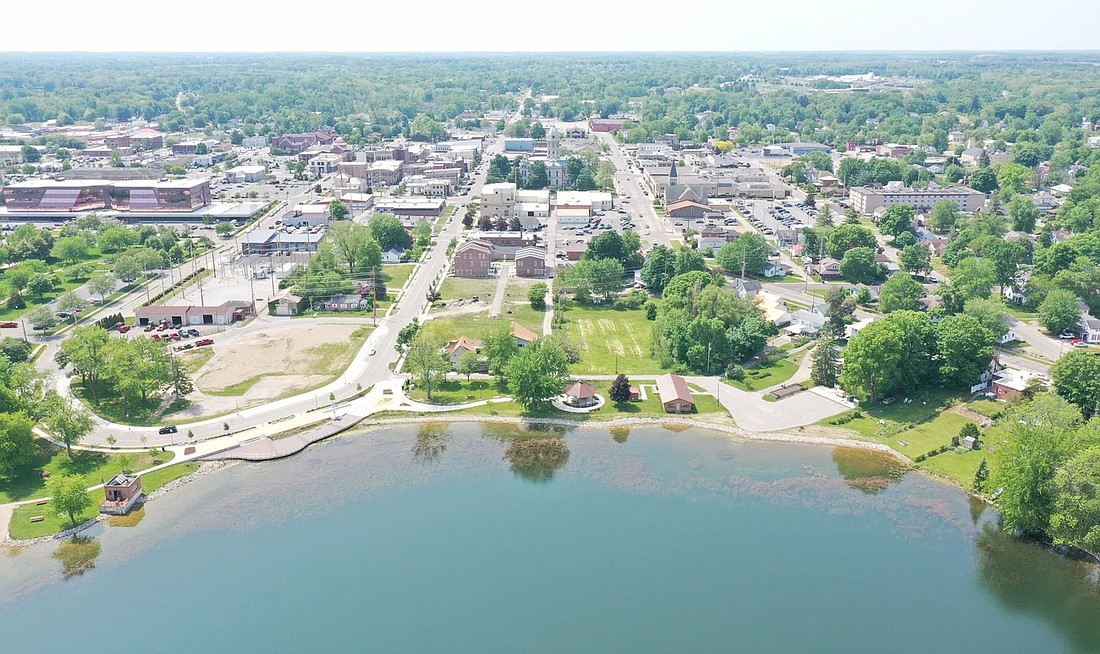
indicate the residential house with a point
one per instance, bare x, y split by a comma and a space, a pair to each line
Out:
288, 305
531, 262
1008, 337
121, 494
827, 268
747, 288
523, 336
457, 349
675, 395
808, 323
1010, 383
472, 259
773, 269
1088, 329
854, 328
347, 303
393, 255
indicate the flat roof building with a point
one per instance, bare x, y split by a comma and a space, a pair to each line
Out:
89, 195
867, 199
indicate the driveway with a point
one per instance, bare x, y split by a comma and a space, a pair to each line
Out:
750, 411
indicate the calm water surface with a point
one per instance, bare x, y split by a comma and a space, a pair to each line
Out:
477, 538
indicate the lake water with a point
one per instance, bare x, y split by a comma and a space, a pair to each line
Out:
460, 538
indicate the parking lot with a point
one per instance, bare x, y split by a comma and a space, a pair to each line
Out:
568, 235
771, 216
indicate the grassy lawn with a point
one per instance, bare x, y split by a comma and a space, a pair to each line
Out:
761, 377
455, 288
92, 467
22, 527
459, 391
1020, 312
609, 336
918, 428
395, 274
192, 360
114, 408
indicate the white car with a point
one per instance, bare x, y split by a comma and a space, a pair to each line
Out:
1066, 335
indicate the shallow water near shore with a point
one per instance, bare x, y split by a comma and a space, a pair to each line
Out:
493, 538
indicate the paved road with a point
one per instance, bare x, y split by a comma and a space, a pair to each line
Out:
502, 287
365, 370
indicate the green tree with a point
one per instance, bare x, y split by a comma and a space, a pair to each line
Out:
70, 249
944, 216
468, 364
981, 476
179, 381
825, 363
127, 267
1013, 177
68, 421
389, 232
17, 446
499, 346
900, 292
102, 284
86, 349
897, 220
964, 347
137, 368
223, 229
1040, 437
859, 266
749, 253
825, 216
41, 317
68, 496
426, 361
659, 268
984, 180
1059, 311
40, 283
537, 296
916, 258
354, 247
338, 210
601, 277
990, 313
1077, 379
846, 237
1023, 213
1075, 518
620, 389
954, 173
971, 278
538, 373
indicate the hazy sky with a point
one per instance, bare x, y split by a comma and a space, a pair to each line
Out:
563, 25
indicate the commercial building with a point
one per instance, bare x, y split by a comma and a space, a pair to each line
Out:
498, 200
606, 124
531, 262
271, 241
866, 199
89, 195
245, 174
324, 163
179, 316
410, 207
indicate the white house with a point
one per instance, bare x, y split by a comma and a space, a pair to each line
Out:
393, 255
1008, 337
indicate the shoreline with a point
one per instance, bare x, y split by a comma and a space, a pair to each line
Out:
210, 466
205, 468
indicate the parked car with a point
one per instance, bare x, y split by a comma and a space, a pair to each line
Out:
8, 325
123, 329
1066, 335
193, 332
149, 328
185, 346
156, 338
204, 341
168, 429
1080, 344
183, 333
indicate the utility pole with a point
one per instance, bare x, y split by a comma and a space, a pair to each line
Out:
374, 301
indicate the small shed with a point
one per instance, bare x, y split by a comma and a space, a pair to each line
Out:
580, 394
121, 494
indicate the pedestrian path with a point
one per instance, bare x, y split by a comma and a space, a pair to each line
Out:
502, 285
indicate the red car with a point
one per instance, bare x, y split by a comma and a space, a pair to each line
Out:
8, 325
156, 338
204, 341
123, 329
174, 336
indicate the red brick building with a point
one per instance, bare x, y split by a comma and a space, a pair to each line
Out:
472, 259
531, 262
675, 396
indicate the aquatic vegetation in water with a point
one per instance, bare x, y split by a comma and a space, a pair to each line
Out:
77, 555
537, 459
